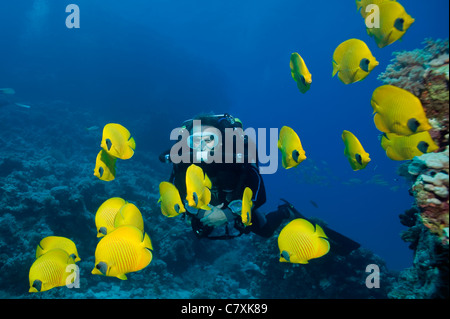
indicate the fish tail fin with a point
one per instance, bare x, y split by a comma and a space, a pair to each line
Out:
323, 247
147, 242
335, 68
22, 105
132, 143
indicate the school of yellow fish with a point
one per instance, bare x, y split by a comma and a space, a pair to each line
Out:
125, 247
50, 269
117, 142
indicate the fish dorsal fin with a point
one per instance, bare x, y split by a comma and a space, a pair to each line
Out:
304, 226
123, 131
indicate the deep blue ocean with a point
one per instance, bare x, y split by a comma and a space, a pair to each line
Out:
151, 64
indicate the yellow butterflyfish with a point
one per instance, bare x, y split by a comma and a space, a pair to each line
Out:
299, 241
300, 72
52, 242
291, 148
106, 215
105, 166
50, 270
361, 5
355, 153
171, 204
246, 211
117, 141
129, 214
402, 148
198, 187
126, 249
394, 22
398, 111
353, 61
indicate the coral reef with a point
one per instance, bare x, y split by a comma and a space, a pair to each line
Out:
409, 69
428, 233
425, 73
47, 187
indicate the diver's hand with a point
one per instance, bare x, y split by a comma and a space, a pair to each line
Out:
214, 217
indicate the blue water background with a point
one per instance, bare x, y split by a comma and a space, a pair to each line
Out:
149, 65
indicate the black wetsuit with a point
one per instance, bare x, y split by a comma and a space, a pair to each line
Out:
228, 184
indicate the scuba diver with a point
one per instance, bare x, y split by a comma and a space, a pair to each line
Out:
230, 173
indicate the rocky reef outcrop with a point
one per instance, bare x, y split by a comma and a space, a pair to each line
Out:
425, 73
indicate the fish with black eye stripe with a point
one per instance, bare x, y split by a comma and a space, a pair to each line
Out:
234, 191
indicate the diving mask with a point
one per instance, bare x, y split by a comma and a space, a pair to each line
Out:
203, 141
